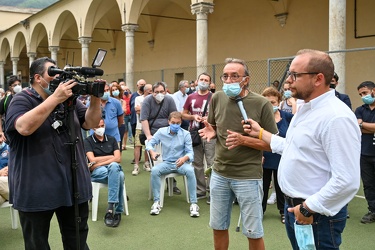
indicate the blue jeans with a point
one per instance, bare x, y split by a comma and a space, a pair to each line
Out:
113, 176
327, 229
249, 194
164, 168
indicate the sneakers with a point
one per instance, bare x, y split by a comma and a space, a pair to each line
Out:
368, 218
116, 220
108, 219
136, 170
146, 167
194, 210
155, 208
272, 199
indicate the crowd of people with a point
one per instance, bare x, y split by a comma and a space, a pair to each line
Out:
289, 137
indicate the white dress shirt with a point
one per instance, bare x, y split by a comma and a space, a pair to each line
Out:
180, 99
320, 155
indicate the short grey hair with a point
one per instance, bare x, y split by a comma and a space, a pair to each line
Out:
182, 84
239, 61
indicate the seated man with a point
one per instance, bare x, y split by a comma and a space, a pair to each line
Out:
4, 188
177, 151
104, 156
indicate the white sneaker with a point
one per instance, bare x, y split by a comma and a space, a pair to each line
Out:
155, 208
146, 166
272, 199
136, 170
194, 210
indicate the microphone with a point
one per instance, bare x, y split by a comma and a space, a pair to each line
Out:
86, 71
242, 109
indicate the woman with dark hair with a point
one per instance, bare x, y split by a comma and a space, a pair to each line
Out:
117, 92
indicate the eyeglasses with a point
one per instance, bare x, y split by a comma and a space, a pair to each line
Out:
233, 77
294, 75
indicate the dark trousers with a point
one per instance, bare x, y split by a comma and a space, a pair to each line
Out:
267, 174
368, 179
36, 225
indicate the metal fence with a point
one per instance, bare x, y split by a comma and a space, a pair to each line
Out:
359, 62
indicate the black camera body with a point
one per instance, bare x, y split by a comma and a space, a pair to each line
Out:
80, 75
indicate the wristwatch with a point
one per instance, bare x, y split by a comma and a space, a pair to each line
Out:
361, 125
304, 211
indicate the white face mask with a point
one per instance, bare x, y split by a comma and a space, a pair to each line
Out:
123, 87
99, 131
159, 97
17, 89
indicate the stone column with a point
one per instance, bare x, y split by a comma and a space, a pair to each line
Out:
129, 30
54, 50
85, 41
337, 38
2, 76
201, 10
14, 64
32, 56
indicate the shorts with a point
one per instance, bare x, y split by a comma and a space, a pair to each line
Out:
137, 142
249, 195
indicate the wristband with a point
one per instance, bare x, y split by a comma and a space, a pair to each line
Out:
260, 133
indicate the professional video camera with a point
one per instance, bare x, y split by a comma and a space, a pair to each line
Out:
81, 75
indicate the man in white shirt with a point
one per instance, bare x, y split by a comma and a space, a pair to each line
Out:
179, 98
138, 129
319, 171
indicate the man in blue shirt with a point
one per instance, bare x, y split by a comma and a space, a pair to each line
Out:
112, 114
4, 188
177, 151
366, 120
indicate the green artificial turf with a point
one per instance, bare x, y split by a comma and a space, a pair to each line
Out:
173, 228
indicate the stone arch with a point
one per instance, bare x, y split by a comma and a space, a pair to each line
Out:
66, 21
4, 49
39, 36
18, 44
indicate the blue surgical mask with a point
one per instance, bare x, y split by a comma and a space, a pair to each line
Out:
232, 89
275, 108
287, 94
115, 93
304, 236
175, 127
203, 86
105, 96
368, 99
46, 90
186, 90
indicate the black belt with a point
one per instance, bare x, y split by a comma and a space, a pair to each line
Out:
293, 201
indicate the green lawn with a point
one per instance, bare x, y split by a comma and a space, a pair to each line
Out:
174, 229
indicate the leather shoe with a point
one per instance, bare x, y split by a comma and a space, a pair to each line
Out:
176, 190
109, 219
116, 220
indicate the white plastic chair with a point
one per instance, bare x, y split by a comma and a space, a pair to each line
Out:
164, 178
13, 214
96, 186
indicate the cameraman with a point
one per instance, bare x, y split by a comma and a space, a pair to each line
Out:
40, 173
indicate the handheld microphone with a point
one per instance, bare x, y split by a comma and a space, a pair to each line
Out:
242, 109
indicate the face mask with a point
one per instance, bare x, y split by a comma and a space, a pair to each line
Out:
159, 97
115, 93
123, 87
126, 93
232, 90
142, 88
17, 89
332, 86
203, 86
99, 131
304, 236
186, 90
287, 94
46, 90
192, 88
175, 127
275, 108
105, 96
2, 145
368, 99
213, 90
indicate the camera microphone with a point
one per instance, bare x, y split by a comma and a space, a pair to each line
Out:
87, 71
242, 109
